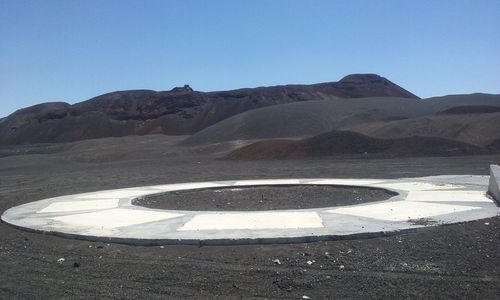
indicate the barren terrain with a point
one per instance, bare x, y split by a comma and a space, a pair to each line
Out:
454, 261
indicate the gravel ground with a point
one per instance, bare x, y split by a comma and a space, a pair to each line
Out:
265, 198
454, 261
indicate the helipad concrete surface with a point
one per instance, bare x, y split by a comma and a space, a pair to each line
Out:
111, 215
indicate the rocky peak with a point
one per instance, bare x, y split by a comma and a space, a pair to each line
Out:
184, 89
363, 79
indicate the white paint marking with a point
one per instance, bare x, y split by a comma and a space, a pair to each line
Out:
80, 205
350, 182
186, 186
113, 218
119, 194
401, 210
267, 182
448, 196
417, 186
254, 220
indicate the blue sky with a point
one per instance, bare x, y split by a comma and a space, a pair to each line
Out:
74, 50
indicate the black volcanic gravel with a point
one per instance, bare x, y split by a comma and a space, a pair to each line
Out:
265, 198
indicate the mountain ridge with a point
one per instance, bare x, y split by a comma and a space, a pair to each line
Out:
179, 111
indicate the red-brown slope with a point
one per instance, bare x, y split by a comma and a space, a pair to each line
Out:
472, 128
470, 109
348, 143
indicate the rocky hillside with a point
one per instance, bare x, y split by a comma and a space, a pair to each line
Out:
179, 111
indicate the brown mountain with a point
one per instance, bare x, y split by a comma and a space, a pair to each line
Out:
176, 112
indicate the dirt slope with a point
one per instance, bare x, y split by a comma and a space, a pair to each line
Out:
474, 128
347, 143
315, 117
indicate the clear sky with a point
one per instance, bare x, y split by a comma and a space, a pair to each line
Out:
74, 50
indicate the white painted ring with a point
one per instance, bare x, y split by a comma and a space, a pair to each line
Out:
111, 216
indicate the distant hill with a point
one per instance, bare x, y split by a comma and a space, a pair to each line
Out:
470, 109
336, 143
379, 116
177, 112
473, 128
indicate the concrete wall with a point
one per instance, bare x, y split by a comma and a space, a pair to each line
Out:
494, 187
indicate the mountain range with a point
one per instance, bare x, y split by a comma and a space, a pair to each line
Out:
180, 111
361, 114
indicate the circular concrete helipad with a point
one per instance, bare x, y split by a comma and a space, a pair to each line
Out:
111, 216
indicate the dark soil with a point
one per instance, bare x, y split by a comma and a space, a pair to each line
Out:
265, 198
454, 261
